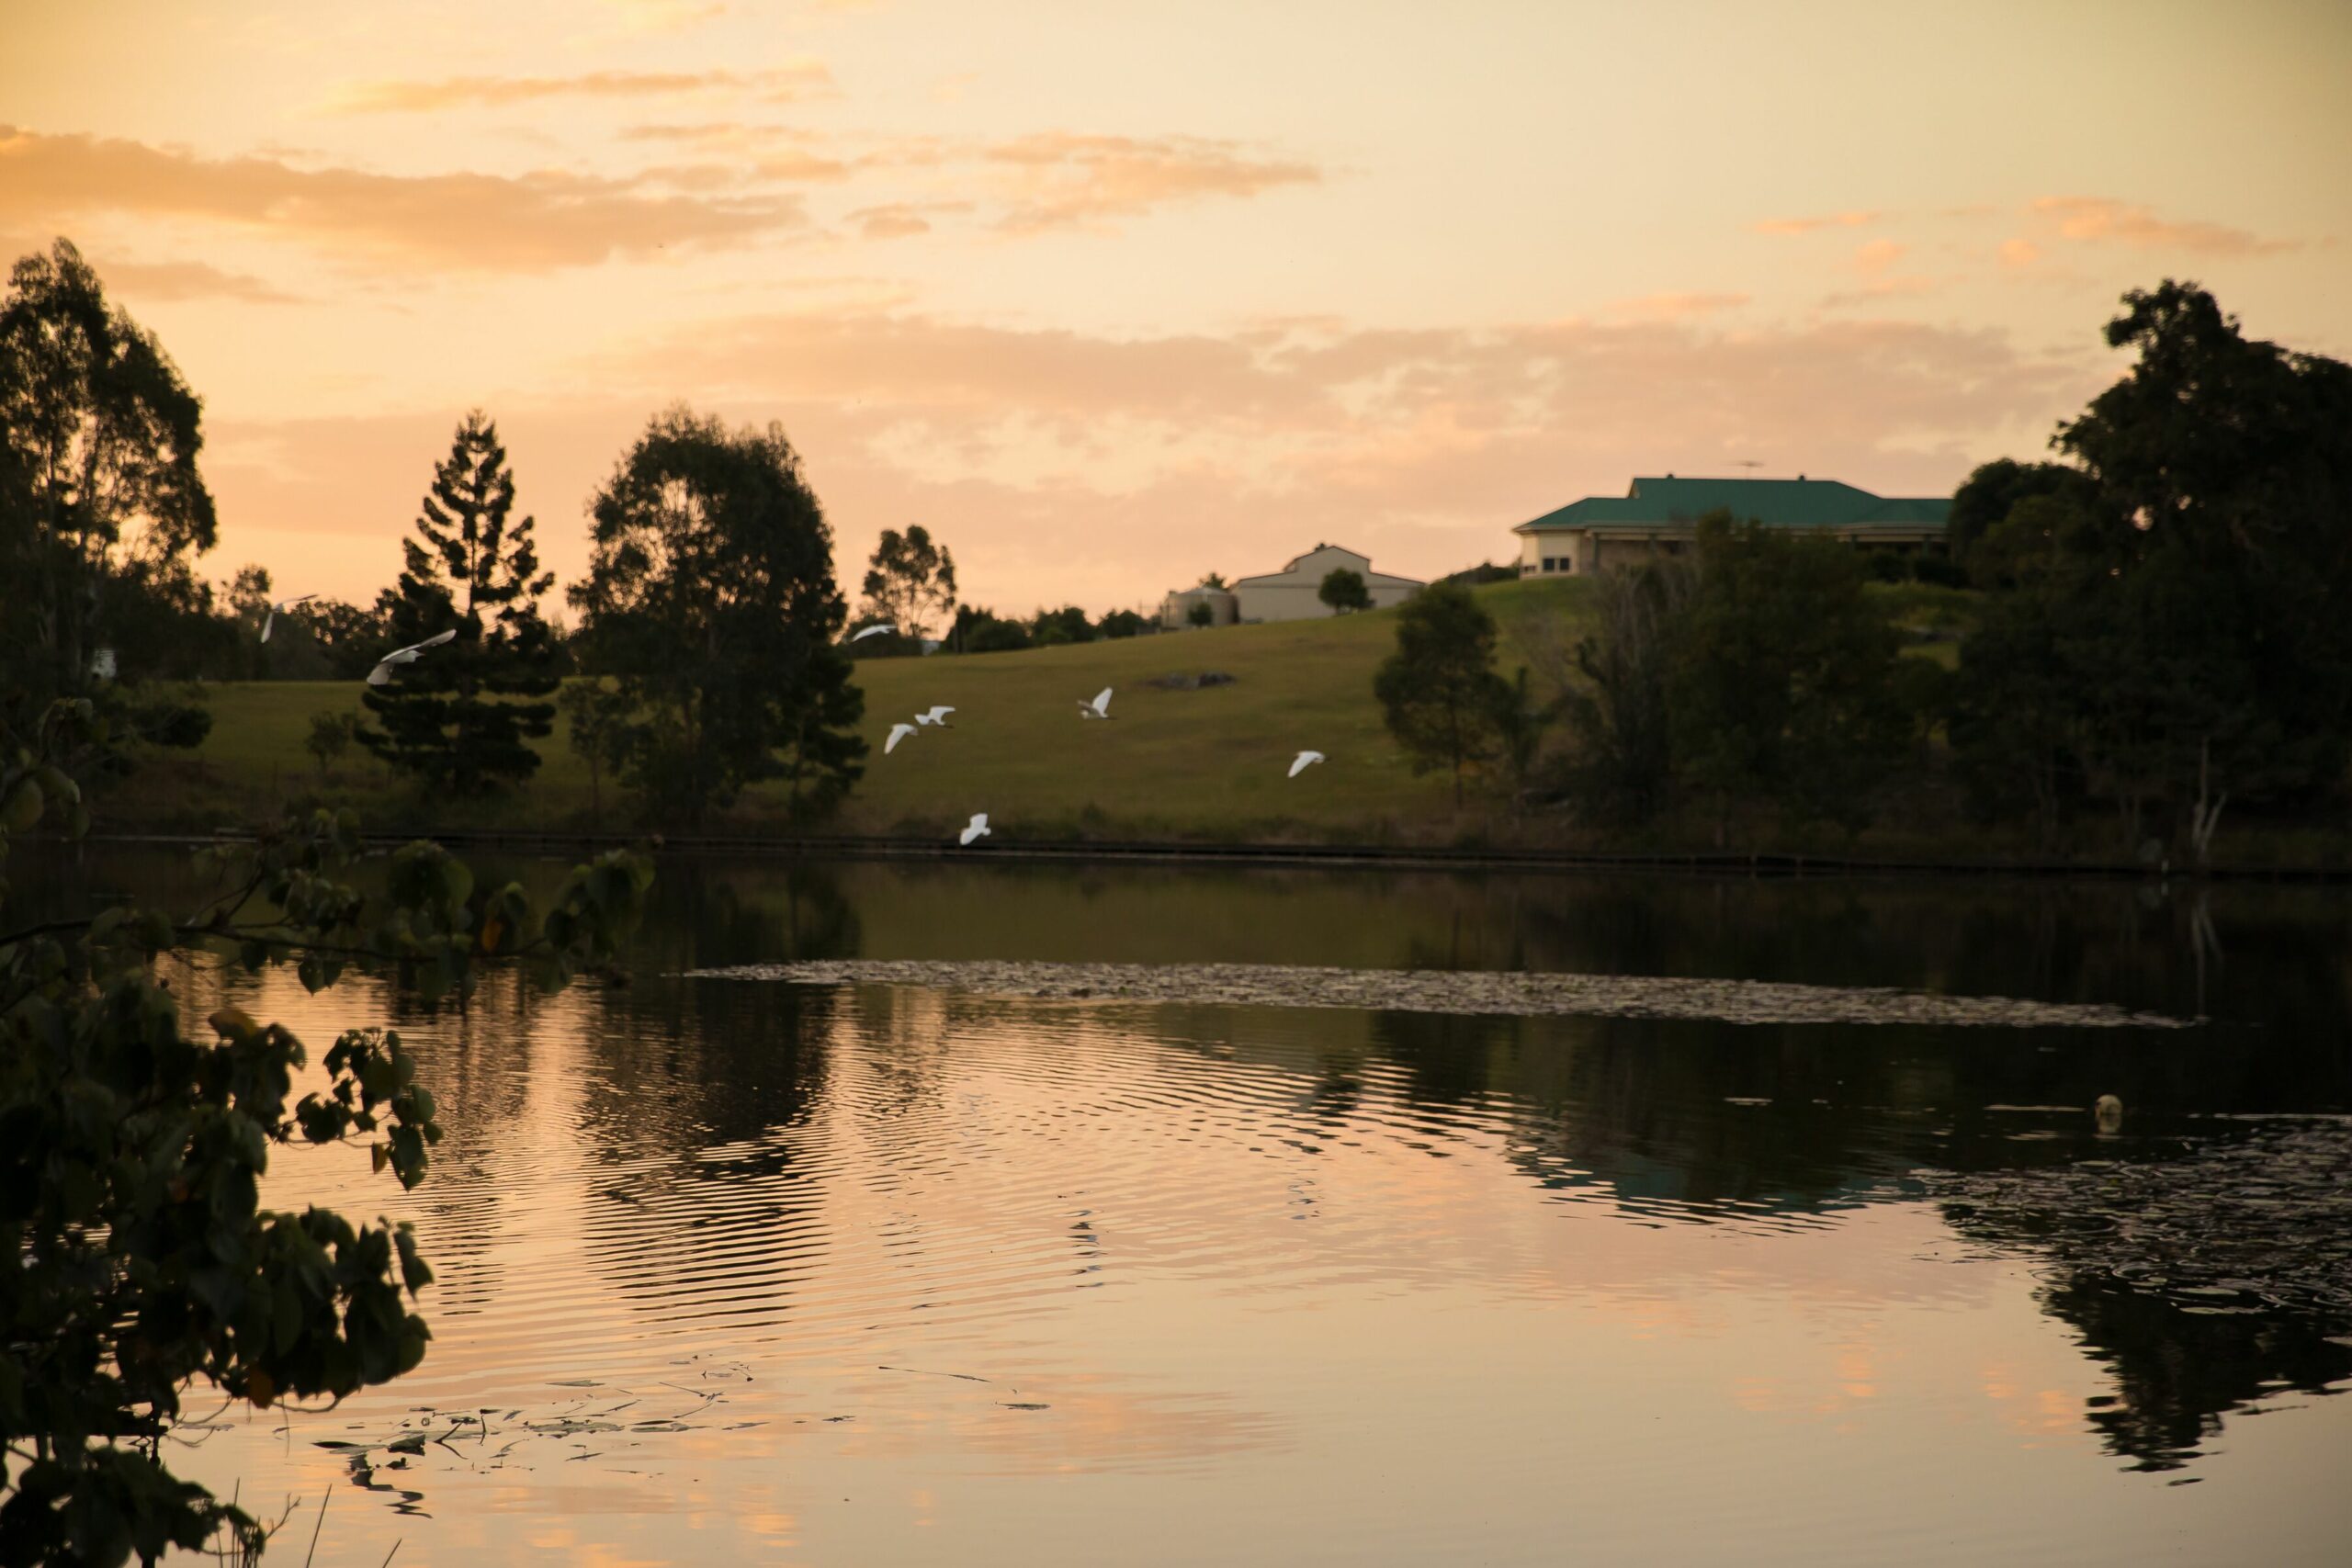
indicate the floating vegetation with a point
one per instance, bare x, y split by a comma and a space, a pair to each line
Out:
2248, 1225
1513, 993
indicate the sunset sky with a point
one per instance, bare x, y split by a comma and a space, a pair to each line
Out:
1110, 295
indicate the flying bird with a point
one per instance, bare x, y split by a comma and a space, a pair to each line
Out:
383, 671
897, 732
281, 607
937, 716
977, 828
1099, 708
872, 631
1302, 761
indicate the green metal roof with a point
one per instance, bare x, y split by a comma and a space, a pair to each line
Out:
1795, 503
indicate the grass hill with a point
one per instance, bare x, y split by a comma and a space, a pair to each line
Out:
1205, 764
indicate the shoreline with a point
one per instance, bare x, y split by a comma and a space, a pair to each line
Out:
1367, 856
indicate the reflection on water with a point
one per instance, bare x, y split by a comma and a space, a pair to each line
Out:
734, 1271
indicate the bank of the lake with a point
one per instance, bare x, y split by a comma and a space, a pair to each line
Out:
1184, 766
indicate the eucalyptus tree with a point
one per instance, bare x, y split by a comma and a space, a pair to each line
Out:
710, 603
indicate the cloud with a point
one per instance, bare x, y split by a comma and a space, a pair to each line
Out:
1791, 226
807, 78
1057, 179
2101, 219
663, 15
532, 222
189, 280
1676, 307
2019, 252
901, 219
1100, 469
1877, 255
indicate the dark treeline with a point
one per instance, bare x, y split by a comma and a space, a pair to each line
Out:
2156, 635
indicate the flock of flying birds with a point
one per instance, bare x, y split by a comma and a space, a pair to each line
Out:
936, 716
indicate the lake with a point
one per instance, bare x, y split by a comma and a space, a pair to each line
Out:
738, 1270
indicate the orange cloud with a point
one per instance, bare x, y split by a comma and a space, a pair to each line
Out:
1100, 469
901, 219
1062, 178
801, 79
189, 280
1791, 226
1676, 307
2100, 218
1878, 255
532, 222
2019, 252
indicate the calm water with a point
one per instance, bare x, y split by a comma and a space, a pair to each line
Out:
733, 1271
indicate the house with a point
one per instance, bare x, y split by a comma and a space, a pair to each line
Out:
1659, 516
1176, 609
1292, 593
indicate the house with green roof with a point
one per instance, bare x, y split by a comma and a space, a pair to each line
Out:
1660, 517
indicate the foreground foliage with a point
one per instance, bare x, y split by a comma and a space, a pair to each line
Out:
135, 1258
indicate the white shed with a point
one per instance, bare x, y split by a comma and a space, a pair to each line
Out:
1290, 594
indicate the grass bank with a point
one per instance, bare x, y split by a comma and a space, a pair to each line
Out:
1204, 765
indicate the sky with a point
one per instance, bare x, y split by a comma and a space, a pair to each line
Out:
1108, 295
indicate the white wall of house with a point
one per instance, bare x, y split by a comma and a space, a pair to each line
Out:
1176, 609
1290, 594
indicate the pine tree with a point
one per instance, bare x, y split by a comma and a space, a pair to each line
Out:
450, 717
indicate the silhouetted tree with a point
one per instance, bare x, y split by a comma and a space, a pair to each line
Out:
101, 505
2176, 612
1623, 764
1068, 624
1783, 682
1439, 691
453, 719
910, 582
1344, 589
711, 601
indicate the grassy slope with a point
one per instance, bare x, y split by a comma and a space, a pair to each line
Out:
1199, 763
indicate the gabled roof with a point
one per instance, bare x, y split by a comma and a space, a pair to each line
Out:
1798, 502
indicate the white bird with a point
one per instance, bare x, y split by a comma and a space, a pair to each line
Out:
1302, 761
977, 828
897, 732
281, 607
937, 716
1099, 708
872, 631
383, 671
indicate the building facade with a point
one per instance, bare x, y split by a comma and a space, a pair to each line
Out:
1660, 517
1294, 592
1176, 609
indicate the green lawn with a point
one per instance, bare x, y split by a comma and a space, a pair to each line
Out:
1207, 763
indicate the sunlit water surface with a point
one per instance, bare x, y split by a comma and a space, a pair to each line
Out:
743, 1271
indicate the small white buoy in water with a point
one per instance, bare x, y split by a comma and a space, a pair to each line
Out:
2109, 1113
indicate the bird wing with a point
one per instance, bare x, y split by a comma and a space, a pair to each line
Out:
897, 732
1302, 761
381, 674
980, 818
415, 648
303, 599
1103, 701
266, 622
870, 631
